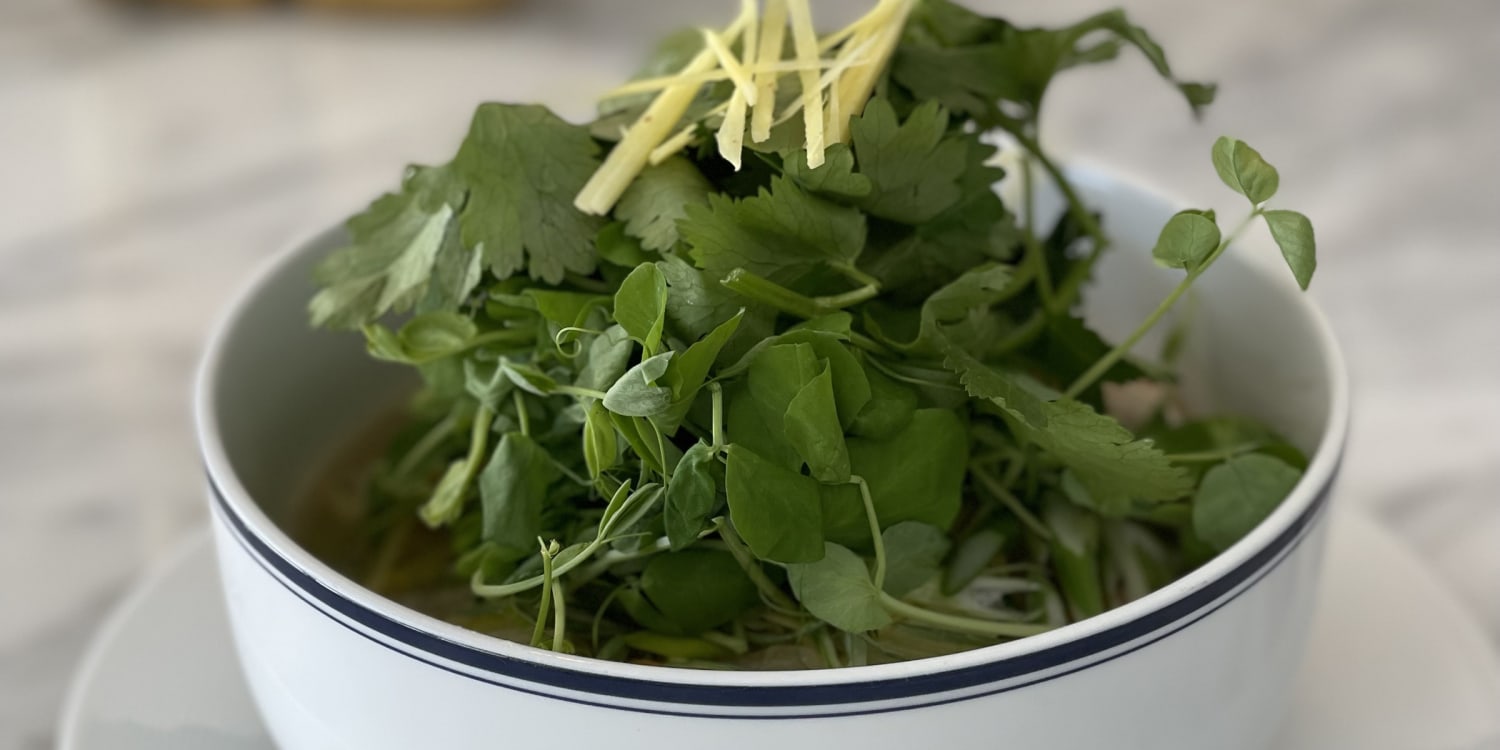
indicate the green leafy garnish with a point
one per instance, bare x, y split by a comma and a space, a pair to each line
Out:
759, 368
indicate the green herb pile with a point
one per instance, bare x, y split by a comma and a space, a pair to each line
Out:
777, 415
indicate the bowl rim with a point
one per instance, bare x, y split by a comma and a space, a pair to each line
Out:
1157, 614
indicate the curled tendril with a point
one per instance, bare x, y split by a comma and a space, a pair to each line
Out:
568, 343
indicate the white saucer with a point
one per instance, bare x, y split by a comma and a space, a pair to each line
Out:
1394, 662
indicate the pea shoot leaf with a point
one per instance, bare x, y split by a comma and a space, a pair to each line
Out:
641, 306
914, 554
512, 491
777, 511
697, 589
1238, 494
837, 589
1293, 233
692, 496
916, 474
1244, 171
812, 427
1187, 239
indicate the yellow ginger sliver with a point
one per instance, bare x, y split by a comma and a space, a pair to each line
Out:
631, 154
805, 43
731, 135
772, 39
743, 86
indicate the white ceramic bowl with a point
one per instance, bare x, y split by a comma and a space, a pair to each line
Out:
1203, 663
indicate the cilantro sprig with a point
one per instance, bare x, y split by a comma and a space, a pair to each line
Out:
773, 377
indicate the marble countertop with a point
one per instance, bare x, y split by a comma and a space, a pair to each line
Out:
147, 163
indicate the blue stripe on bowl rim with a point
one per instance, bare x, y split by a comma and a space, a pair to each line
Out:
840, 699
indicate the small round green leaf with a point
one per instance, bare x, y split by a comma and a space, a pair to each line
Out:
698, 589
692, 496
914, 553
641, 305
778, 512
838, 590
1244, 171
1238, 494
1188, 238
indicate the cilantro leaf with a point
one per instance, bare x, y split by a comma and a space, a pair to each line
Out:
660, 195
982, 381
522, 166
835, 176
913, 169
779, 233
393, 247
1115, 467
970, 66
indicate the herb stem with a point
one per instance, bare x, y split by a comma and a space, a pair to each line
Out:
1076, 205
426, 445
390, 552
1021, 336
868, 344
1035, 255
573, 390
521, 416
875, 537
559, 616
716, 395
767, 587
994, 487
767, 292
826, 648
850, 298
850, 271
1214, 455
992, 628
1115, 355
540, 629
502, 336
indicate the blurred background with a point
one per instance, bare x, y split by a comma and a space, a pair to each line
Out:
151, 155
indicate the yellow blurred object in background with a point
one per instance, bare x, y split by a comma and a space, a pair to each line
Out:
401, 6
